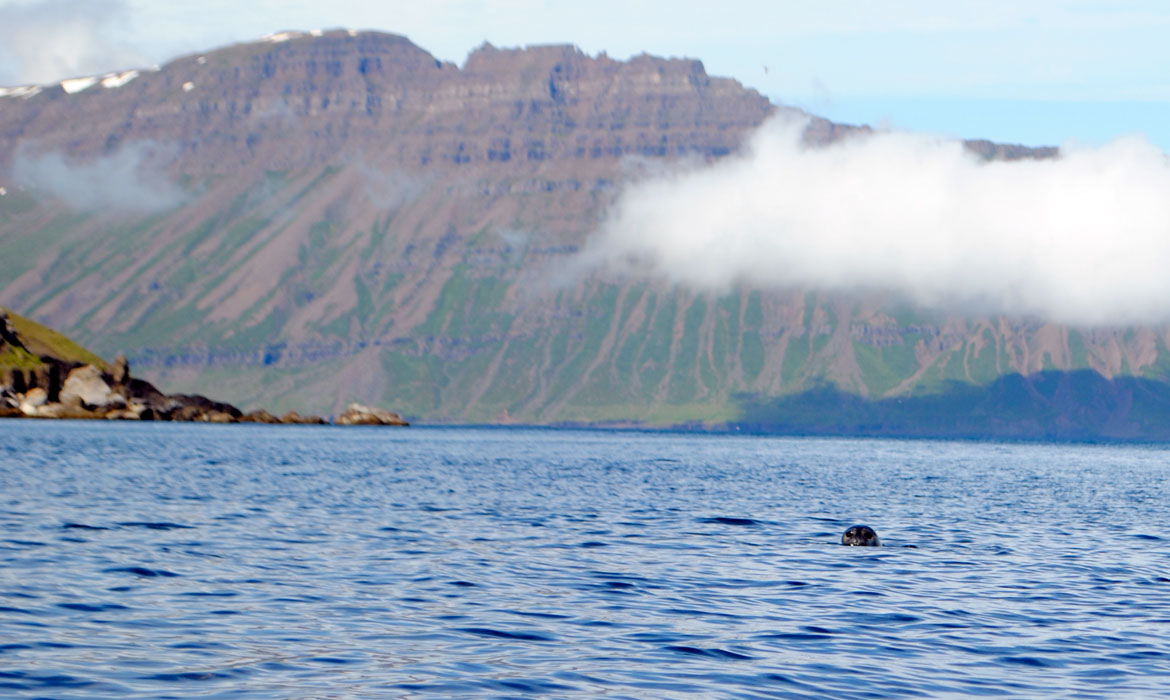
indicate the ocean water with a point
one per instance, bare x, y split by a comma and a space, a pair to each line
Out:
184, 561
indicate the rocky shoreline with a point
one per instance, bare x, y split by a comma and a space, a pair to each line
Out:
49, 387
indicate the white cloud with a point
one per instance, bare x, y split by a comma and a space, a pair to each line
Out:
41, 42
127, 180
1084, 238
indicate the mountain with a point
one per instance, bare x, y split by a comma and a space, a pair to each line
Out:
323, 217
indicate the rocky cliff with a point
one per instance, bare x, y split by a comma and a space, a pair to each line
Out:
301, 101
43, 374
314, 217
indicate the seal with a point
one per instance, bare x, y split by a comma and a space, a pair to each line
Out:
860, 536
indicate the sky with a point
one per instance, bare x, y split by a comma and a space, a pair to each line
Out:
1040, 72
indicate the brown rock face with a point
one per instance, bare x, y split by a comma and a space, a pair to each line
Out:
85, 386
309, 99
121, 373
34, 400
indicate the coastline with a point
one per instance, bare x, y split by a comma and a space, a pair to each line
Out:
45, 375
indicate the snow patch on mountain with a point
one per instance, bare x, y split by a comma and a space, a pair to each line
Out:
20, 91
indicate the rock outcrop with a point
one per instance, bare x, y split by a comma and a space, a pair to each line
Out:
290, 418
260, 416
294, 418
87, 387
52, 387
47, 386
89, 393
358, 414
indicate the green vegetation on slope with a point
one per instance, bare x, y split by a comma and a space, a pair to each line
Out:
41, 341
281, 289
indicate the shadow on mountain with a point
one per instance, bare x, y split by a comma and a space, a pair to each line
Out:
1080, 406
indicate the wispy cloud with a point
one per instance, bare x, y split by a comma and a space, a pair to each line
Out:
127, 180
1084, 238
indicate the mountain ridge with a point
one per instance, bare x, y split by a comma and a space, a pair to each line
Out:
346, 210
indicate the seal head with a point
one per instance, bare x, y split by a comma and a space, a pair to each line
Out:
860, 536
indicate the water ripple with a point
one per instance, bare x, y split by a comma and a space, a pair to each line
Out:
179, 560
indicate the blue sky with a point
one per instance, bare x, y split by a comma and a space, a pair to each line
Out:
1039, 72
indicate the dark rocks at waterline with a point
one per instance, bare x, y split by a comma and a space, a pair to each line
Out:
15, 380
260, 416
290, 418
88, 392
294, 418
69, 390
38, 385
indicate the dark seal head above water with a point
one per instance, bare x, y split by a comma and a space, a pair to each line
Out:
860, 536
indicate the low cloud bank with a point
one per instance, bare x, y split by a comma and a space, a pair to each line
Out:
125, 181
1082, 239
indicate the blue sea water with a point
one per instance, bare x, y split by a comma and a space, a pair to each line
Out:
172, 560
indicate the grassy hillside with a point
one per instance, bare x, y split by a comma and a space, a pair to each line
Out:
41, 341
304, 291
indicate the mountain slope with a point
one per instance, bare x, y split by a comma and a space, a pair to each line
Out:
315, 219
